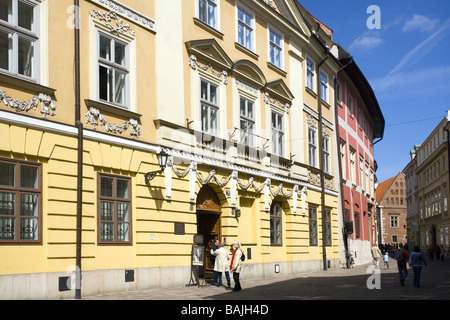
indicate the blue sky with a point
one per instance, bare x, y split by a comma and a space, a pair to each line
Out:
406, 61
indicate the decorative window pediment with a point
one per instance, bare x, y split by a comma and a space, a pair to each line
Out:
210, 51
279, 90
249, 72
278, 93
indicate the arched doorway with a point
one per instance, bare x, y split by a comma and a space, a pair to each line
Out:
208, 223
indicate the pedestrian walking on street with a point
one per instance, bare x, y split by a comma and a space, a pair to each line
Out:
402, 257
236, 265
221, 264
415, 261
386, 260
442, 252
430, 252
376, 255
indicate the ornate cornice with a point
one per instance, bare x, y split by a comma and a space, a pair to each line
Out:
126, 12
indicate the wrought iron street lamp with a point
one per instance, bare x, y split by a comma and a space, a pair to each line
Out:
162, 159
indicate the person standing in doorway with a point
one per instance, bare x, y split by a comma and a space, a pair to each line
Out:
415, 261
221, 264
236, 265
213, 261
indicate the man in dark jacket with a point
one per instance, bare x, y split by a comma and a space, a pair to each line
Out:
402, 257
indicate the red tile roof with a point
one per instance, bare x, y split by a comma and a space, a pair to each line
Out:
382, 188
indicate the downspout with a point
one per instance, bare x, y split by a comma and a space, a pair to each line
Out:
377, 141
322, 177
341, 182
79, 126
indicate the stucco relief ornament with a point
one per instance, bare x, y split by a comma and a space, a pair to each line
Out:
108, 17
271, 3
312, 123
95, 118
313, 180
48, 106
269, 100
194, 65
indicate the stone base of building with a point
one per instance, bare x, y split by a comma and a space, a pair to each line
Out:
55, 286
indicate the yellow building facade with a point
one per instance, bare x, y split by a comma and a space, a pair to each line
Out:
90, 94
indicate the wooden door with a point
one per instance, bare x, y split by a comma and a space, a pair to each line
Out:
208, 222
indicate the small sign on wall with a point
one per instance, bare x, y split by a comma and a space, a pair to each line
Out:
179, 228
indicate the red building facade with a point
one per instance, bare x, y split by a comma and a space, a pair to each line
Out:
361, 125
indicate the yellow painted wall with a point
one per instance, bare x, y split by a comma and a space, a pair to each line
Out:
153, 241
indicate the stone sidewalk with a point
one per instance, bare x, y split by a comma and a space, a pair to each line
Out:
250, 287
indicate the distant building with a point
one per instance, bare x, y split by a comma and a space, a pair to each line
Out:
390, 197
427, 180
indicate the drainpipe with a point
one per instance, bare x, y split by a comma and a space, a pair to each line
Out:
377, 141
322, 177
79, 126
341, 182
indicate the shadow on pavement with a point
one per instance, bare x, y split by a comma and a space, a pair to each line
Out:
435, 284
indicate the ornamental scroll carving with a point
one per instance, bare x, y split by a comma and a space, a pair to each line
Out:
269, 100
95, 118
108, 17
271, 3
48, 106
207, 200
194, 65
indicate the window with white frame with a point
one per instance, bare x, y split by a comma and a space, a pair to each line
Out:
312, 147
394, 221
324, 86
19, 37
112, 70
339, 93
361, 171
277, 133
245, 28
310, 74
350, 106
247, 121
353, 165
275, 48
326, 154
342, 145
208, 12
209, 102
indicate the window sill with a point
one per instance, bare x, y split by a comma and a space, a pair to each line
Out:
24, 83
112, 109
311, 92
246, 51
208, 28
277, 69
326, 104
